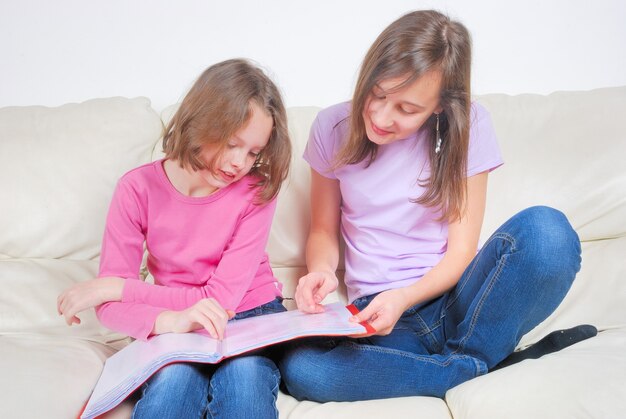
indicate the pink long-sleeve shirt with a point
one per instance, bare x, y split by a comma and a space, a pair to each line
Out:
212, 246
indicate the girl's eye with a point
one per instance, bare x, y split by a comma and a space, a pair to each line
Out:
408, 111
255, 154
231, 145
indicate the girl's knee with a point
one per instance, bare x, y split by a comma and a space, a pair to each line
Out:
310, 372
245, 387
548, 233
176, 390
247, 369
550, 246
545, 220
178, 374
299, 361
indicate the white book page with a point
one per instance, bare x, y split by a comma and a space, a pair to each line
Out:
129, 368
244, 335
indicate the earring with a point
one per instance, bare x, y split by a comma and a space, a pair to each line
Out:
438, 135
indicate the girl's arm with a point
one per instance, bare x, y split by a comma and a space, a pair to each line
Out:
122, 253
233, 276
150, 320
384, 310
322, 250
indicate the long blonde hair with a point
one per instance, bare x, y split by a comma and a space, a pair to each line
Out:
411, 46
216, 107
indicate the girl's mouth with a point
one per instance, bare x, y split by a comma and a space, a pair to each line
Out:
379, 131
226, 176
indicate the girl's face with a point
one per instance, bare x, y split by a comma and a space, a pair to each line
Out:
392, 115
241, 150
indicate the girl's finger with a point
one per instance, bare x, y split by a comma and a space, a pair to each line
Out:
304, 294
380, 324
69, 318
218, 316
206, 322
59, 302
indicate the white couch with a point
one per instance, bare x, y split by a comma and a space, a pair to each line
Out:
58, 168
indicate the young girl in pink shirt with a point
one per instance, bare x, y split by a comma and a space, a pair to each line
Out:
204, 214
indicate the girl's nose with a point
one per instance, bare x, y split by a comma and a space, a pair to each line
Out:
383, 117
238, 159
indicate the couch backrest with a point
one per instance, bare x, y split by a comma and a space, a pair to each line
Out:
565, 150
59, 167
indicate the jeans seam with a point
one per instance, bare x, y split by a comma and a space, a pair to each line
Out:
483, 297
501, 236
275, 391
210, 412
427, 331
144, 389
410, 355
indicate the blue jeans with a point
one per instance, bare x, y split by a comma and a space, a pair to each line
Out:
241, 387
518, 278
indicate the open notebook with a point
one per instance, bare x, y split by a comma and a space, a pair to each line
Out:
129, 368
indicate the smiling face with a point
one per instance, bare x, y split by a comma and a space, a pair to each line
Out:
392, 114
238, 156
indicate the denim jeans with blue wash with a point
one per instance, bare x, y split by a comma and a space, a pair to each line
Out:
518, 278
241, 387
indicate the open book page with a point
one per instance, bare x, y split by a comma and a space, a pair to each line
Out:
129, 368
244, 335
132, 366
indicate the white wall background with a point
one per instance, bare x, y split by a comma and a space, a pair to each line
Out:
53, 52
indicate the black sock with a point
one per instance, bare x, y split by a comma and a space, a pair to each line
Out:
553, 342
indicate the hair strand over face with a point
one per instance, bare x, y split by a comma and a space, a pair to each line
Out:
413, 45
216, 107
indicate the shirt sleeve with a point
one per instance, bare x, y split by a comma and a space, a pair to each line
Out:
319, 149
135, 320
121, 256
124, 235
232, 277
484, 152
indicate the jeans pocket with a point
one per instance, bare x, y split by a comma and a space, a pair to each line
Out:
420, 321
274, 306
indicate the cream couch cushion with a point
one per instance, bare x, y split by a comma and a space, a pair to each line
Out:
48, 376
402, 407
565, 150
58, 168
63, 164
585, 380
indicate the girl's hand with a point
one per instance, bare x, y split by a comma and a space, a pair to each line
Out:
88, 294
313, 288
206, 313
384, 310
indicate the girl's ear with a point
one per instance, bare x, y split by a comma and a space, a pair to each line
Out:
438, 109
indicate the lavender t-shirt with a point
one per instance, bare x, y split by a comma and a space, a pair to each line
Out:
391, 242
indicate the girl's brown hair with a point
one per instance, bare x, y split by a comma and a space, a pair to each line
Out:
413, 45
216, 107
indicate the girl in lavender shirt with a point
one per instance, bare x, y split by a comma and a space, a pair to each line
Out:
401, 173
204, 213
